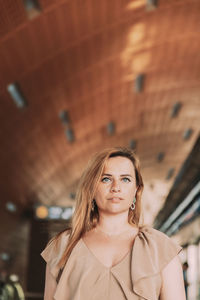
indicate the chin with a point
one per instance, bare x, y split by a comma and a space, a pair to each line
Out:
117, 210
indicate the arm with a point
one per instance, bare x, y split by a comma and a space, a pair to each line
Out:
172, 281
50, 285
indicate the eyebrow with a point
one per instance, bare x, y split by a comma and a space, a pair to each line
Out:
120, 175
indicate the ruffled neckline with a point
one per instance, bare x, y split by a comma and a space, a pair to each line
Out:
115, 265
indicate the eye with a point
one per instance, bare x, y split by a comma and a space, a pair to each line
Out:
126, 179
105, 179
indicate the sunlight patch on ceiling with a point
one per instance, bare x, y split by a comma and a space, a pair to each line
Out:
132, 57
136, 4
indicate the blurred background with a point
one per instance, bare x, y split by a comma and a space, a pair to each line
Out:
79, 76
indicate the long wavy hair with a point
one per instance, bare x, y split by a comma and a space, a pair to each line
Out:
84, 218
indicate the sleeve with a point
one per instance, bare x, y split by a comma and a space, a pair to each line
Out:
167, 248
152, 251
54, 251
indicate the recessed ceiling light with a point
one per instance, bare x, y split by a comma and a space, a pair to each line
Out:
69, 134
139, 82
64, 117
5, 256
67, 213
187, 133
175, 109
151, 4
111, 128
170, 173
132, 144
53, 212
32, 8
17, 95
160, 156
11, 207
14, 278
41, 211
72, 195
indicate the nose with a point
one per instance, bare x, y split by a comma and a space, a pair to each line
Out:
115, 186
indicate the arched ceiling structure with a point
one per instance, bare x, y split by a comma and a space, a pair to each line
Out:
85, 57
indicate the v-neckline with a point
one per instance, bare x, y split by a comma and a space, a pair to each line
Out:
115, 265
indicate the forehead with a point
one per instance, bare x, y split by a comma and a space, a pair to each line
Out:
119, 164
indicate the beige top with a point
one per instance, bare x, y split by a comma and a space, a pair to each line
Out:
137, 276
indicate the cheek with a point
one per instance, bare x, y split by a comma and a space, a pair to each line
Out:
100, 198
101, 191
131, 191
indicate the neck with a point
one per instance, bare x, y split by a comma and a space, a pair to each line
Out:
113, 223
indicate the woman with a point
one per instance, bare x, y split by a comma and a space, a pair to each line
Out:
106, 253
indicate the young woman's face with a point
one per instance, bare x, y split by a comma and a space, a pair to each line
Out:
117, 187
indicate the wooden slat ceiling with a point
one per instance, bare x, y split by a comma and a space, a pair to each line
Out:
83, 57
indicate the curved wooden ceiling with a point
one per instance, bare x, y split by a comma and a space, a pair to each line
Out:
84, 57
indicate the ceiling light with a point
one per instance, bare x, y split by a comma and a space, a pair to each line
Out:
11, 207
32, 8
16, 94
67, 213
187, 133
160, 156
175, 109
5, 256
139, 82
69, 134
53, 212
64, 117
111, 128
132, 144
41, 211
151, 4
72, 195
14, 278
170, 173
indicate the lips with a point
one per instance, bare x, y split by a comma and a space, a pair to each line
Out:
115, 198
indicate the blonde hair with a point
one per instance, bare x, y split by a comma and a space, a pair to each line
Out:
84, 218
